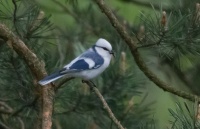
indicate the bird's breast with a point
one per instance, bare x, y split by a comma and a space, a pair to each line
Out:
90, 74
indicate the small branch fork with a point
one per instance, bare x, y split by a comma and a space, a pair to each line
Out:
135, 53
105, 105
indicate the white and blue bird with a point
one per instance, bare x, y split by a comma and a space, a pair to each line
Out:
88, 65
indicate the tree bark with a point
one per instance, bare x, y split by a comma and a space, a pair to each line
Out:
37, 68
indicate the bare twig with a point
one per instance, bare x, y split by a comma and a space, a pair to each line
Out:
37, 68
105, 105
139, 61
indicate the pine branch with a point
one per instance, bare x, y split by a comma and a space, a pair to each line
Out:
38, 70
105, 105
139, 61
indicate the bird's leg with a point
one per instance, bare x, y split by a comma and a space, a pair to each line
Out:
83, 81
90, 84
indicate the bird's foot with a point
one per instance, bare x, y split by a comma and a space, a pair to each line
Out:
83, 81
90, 84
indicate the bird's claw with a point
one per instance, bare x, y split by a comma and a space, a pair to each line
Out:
90, 84
83, 81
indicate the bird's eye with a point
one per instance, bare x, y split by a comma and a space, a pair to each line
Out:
105, 48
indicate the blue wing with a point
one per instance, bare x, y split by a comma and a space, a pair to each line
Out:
93, 55
80, 65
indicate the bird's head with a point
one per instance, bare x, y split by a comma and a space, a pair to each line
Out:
104, 48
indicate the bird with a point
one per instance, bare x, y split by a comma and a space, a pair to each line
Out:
86, 66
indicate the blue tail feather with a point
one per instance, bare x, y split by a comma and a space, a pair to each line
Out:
50, 78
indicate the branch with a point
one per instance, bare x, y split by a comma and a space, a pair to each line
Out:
105, 105
46, 93
139, 61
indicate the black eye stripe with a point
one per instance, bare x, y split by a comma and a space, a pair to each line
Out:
103, 48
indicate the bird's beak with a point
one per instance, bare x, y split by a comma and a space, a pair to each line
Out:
112, 52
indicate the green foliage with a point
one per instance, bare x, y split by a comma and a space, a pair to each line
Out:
75, 106
184, 118
16, 82
179, 37
175, 41
74, 101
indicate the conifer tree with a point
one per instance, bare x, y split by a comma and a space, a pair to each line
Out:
32, 46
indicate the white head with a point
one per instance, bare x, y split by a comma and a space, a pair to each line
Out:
104, 48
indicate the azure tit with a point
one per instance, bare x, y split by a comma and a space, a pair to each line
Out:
88, 65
